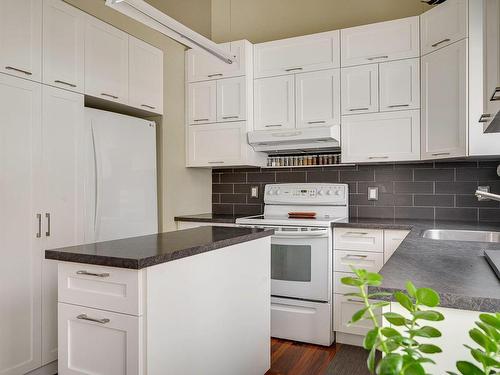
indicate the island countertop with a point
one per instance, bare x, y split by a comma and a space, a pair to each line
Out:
457, 270
146, 251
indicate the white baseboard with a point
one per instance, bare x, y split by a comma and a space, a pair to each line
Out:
49, 369
346, 338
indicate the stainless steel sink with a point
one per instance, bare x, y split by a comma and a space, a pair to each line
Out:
462, 235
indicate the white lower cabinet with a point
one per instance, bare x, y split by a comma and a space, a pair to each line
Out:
99, 342
381, 137
345, 259
344, 309
392, 240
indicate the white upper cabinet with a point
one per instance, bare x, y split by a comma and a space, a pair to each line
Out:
231, 99
202, 66
443, 25
275, 103
145, 76
384, 41
381, 137
106, 61
444, 102
63, 45
360, 89
400, 85
21, 38
318, 98
202, 102
492, 60
300, 54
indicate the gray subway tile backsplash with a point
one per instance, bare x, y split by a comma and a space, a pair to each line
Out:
424, 190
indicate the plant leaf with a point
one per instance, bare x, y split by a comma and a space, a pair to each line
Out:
490, 320
359, 295
358, 315
427, 297
370, 339
482, 357
467, 368
484, 341
395, 318
411, 289
404, 301
370, 362
414, 368
427, 331
390, 332
351, 281
391, 364
433, 316
429, 349
379, 294
373, 279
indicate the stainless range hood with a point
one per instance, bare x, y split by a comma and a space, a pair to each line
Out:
296, 140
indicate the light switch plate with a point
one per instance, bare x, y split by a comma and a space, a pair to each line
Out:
372, 193
254, 191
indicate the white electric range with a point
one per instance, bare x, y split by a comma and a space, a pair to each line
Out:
301, 257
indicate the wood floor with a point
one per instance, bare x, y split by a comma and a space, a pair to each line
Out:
293, 358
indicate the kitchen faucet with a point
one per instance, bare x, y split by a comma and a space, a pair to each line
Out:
487, 195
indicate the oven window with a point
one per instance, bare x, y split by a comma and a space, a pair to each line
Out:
291, 262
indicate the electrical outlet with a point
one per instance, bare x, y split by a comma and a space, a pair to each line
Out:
372, 193
254, 191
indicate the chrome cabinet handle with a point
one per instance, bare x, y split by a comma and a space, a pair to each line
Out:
484, 117
64, 83
356, 256
377, 57
293, 69
39, 218
148, 106
200, 119
494, 97
441, 153
215, 75
18, 70
378, 157
357, 233
230, 117
398, 106
85, 317
359, 109
109, 95
215, 162
317, 122
274, 126
354, 300
47, 216
441, 42
86, 273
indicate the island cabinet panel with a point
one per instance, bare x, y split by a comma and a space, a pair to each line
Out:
294, 55
379, 42
444, 25
99, 342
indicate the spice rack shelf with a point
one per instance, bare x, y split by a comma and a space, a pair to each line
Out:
309, 166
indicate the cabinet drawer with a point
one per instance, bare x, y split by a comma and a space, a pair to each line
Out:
359, 239
107, 288
343, 260
392, 240
340, 288
344, 308
98, 342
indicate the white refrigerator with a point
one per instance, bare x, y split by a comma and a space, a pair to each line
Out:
120, 176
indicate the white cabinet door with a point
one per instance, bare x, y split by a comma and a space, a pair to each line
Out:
99, 342
300, 54
443, 25
231, 99
21, 38
63, 45
20, 153
384, 41
444, 102
274, 103
215, 145
392, 240
492, 59
202, 66
145, 76
381, 137
202, 102
360, 89
318, 98
344, 309
106, 61
400, 85
62, 183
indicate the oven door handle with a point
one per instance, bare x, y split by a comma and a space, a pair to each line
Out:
315, 234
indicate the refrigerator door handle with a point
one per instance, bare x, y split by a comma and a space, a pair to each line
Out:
96, 182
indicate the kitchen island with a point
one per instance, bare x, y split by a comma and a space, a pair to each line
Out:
195, 301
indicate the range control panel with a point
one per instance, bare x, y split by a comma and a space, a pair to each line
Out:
312, 194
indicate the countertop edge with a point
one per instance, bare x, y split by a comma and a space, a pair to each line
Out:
202, 219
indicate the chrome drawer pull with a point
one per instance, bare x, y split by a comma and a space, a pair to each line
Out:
377, 57
148, 106
215, 75
354, 300
201, 119
86, 273
484, 118
316, 122
85, 317
18, 70
441, 42
215, 162
39, 218
274, 126
378, 157
359, 109
494, 97
399, 105
230, 117
357, 233
109, 95
356, 256
65, 83
293, 69
441, 153
47, 216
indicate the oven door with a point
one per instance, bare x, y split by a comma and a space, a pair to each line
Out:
300, 263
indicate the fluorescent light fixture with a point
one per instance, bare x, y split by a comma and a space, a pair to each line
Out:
159, 21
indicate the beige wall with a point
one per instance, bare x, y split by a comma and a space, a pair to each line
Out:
181, 190
264, 20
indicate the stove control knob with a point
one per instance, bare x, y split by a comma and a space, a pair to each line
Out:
321, 193
270, 192
337, 192
330, 192
277, 192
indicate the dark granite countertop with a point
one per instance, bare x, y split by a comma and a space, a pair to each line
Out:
210, 218
457, 270
146, 251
